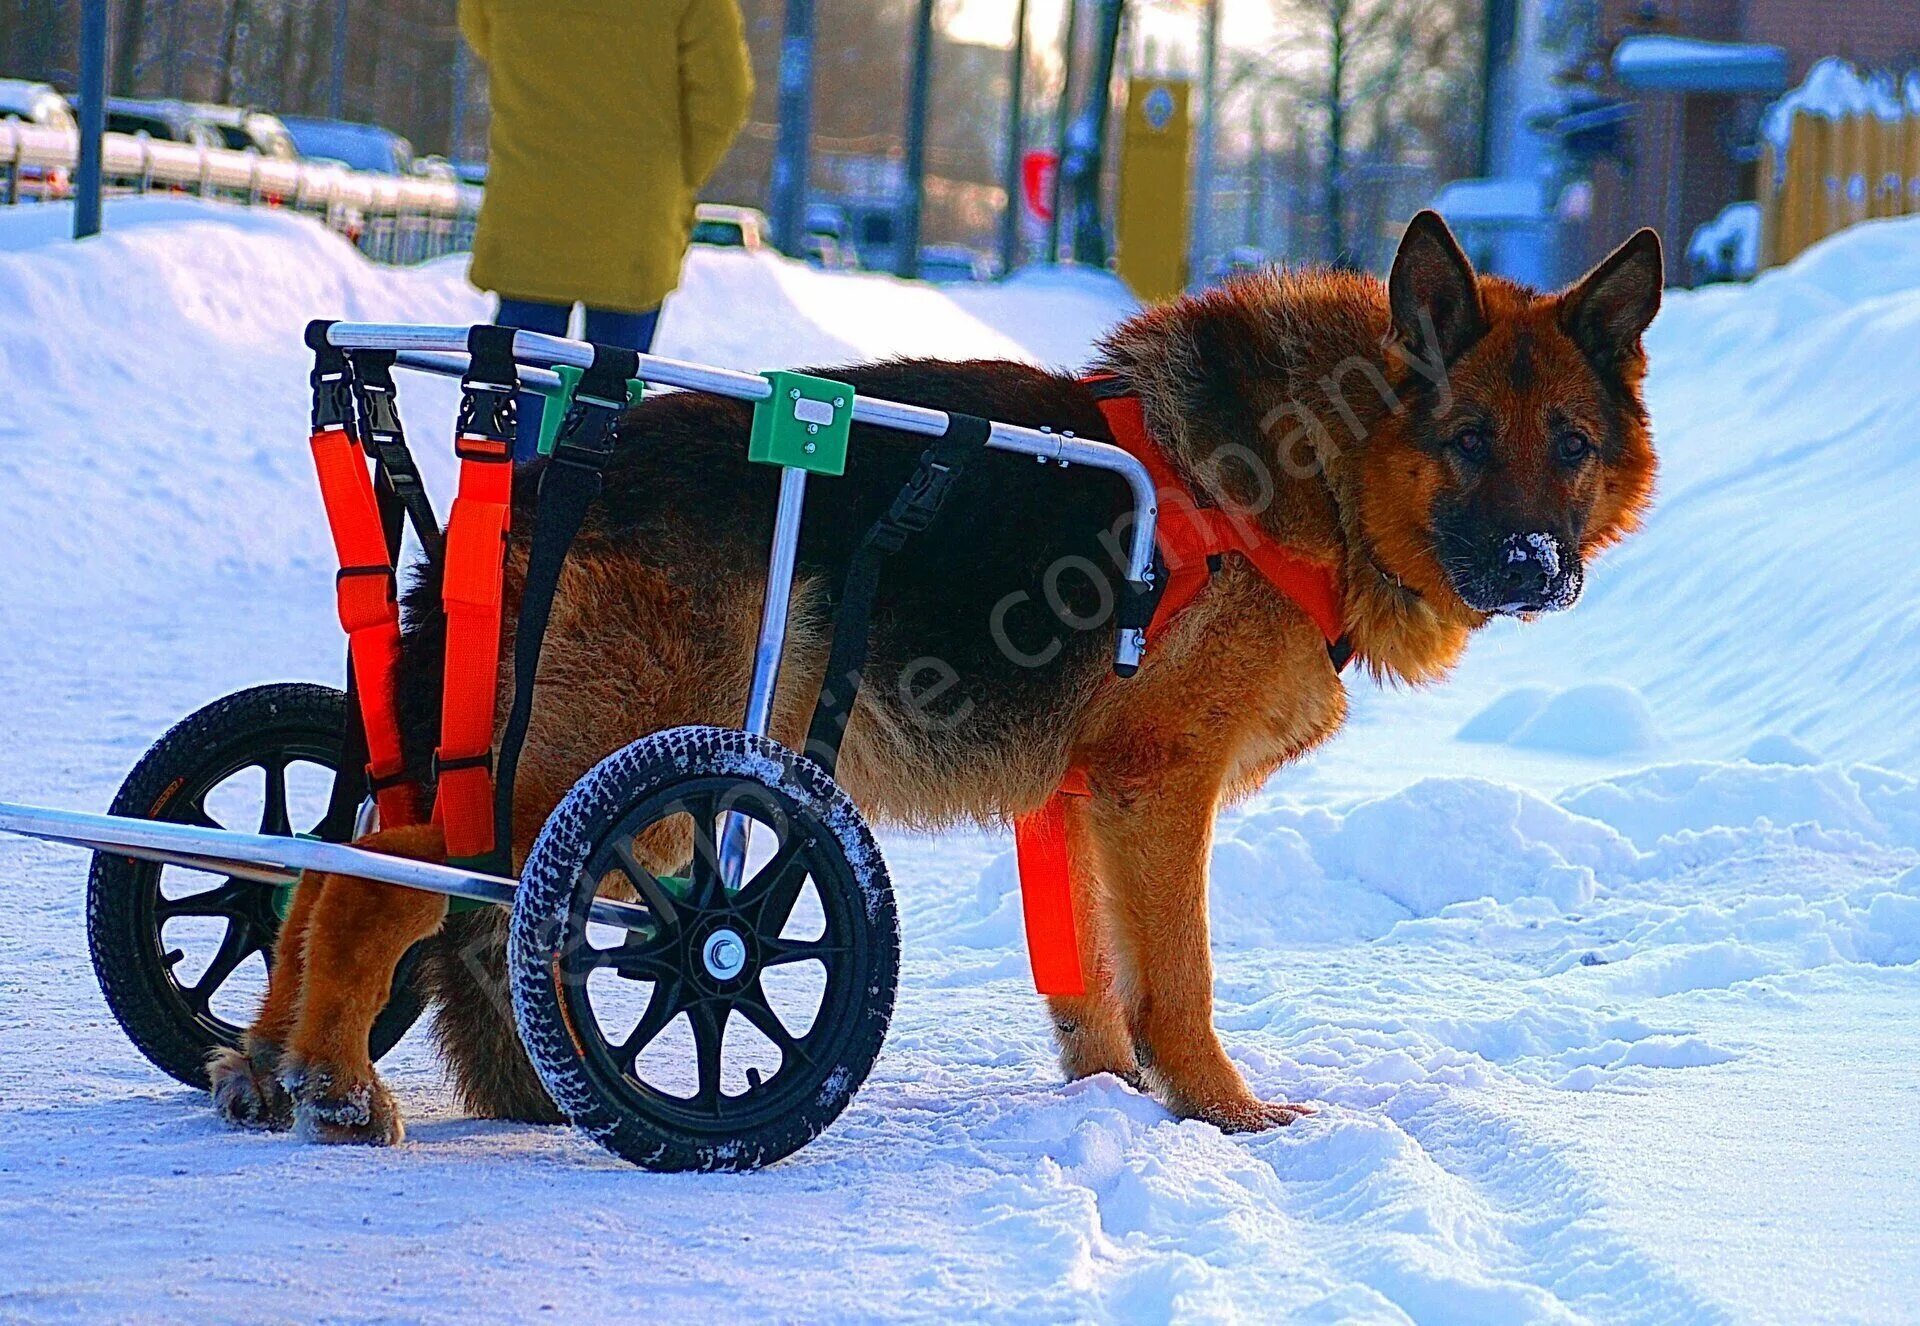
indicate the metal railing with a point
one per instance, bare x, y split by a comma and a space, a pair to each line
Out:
391, 218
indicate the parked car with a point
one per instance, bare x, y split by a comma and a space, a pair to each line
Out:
824, 252
40, 105
945, 264
729, 227
244, 129
35, 103
435, 167
161, 119
828, 241
355, 146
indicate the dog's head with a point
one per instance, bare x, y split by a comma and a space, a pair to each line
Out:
1524, 446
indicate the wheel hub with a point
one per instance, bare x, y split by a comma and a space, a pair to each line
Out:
724, 954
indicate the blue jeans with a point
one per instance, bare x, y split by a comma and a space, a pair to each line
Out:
632, 331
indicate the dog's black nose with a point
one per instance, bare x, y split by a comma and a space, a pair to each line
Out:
1528, 566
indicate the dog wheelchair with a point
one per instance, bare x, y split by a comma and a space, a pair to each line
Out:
627, 986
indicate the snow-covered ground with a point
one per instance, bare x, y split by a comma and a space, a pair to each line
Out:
1603, 959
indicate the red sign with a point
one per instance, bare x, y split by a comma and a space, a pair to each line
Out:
1037, 169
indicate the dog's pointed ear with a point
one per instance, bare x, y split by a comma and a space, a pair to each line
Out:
1608, 308
1432, 292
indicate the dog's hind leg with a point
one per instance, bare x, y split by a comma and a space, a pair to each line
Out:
1091, 1028
245, 1082
355, 937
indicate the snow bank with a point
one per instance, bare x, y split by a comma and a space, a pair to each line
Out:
158, 378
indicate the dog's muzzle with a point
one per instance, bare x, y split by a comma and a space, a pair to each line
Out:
1522, 573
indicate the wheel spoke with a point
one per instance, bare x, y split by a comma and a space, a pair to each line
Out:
662, 1006
753, 1006
705, 868
774, 952
240, 942
645, 959
195, 813
274, 819
769, 896
646, 884
232, 899
709, 1021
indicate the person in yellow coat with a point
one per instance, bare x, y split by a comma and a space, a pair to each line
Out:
608, 117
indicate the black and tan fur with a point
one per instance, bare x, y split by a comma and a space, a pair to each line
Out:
1407, 433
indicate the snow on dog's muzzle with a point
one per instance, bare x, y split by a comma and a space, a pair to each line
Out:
1527, 572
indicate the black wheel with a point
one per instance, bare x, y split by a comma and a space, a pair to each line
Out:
737, 1022
182, 955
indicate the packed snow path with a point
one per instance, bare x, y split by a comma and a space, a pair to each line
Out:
1606, 1021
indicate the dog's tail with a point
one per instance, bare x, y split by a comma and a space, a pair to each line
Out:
464, 974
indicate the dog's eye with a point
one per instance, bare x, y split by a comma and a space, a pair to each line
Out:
1572, 447
1470, 443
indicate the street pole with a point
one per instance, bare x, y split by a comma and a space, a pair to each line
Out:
1010, 172
790, 155
906, 258
457, 126
93, 116
1082, 165
1062, 126
1203, 159
337, 83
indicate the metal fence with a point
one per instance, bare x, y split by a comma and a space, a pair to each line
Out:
391, 218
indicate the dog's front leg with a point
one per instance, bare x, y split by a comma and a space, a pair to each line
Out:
1156, 854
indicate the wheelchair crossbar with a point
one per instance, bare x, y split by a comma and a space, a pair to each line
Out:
442, 349
272, 860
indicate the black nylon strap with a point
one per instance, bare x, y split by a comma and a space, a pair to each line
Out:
331, 379
490, 387
913, 510
396, 477
569, 484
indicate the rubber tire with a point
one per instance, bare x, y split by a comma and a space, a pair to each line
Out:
125, 943
542, 927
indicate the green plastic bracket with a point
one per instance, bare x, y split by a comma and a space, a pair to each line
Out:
559, 398
803, 425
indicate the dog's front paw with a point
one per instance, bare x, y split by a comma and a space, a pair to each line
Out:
246, 1092
1250, 1113
341, 1110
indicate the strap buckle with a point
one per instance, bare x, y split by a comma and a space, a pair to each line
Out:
480, 447
585, 437
380, 422
488, 413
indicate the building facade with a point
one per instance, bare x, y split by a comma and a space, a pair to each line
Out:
1617, 114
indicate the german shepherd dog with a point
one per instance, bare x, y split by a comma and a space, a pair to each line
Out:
1454, 446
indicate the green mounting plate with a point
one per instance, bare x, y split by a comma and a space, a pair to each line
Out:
803, 425
554, 413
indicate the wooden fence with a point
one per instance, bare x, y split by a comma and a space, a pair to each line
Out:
1836, 171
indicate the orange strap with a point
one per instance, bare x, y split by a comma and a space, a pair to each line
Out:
1188, 535
471, 593
369, 613
1046, 891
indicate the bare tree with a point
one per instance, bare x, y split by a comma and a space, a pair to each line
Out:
1363, 72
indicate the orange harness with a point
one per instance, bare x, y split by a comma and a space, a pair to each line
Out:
1191, 539
472, 572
